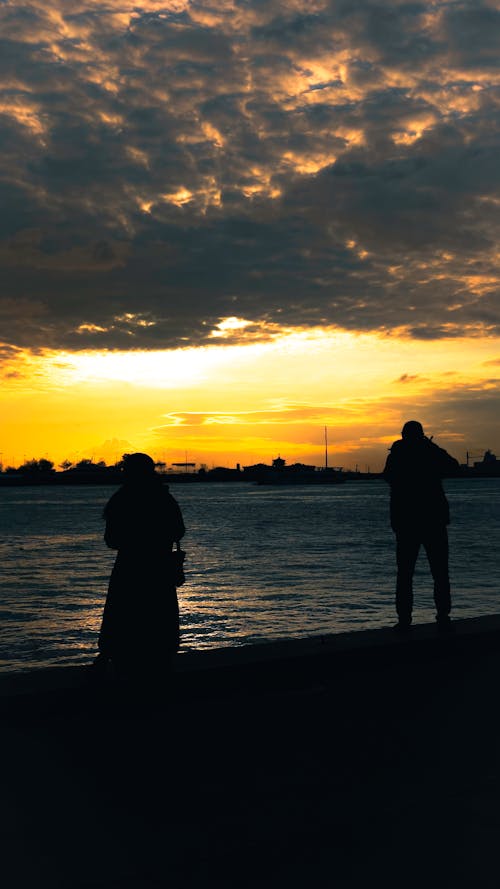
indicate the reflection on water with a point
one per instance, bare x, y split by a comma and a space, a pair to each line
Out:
263, 563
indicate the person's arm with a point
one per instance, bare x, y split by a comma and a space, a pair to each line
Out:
111, 537
177, 528
391, 463
112, 531
448, 466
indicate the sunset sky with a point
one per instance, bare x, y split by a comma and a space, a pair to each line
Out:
227, 224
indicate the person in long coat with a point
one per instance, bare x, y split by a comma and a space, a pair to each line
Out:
420, 515
140, 625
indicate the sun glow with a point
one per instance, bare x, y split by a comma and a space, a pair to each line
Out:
154, 369
237, 401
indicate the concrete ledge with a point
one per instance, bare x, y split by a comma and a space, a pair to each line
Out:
282, 663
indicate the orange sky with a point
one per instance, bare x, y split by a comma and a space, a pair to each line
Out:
228, 404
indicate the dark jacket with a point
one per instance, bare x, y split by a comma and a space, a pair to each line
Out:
143, 518
414, 469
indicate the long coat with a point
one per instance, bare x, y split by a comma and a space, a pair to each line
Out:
141, 614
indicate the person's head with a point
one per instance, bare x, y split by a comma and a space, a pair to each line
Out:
412, 431
138, 468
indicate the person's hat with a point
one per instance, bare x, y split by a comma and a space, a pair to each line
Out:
138, 466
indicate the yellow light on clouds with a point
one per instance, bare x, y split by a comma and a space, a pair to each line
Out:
228, 403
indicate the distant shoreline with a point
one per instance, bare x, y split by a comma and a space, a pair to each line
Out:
113, 478
59, 480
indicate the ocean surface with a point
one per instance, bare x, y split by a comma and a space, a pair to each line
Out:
262, 563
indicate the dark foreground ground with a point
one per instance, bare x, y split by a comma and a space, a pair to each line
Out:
363, 760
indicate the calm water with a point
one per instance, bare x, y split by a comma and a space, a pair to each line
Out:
263, 563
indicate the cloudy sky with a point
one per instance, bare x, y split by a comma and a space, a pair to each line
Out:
229, 223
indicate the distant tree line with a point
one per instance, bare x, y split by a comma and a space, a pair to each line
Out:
48, 466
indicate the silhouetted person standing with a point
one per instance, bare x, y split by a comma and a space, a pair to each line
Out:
140, 625
419, 517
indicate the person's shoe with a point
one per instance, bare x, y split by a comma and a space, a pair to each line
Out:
402, 626
98, 670
444, 624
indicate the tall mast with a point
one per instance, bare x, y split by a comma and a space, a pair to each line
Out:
326, 448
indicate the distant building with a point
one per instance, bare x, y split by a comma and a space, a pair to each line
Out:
489, 465
296, 474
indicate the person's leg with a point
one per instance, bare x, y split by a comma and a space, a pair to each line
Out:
436, 547
407, 547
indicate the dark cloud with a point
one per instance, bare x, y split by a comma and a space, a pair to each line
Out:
409, 378
471, 409
472, 30
169, 164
